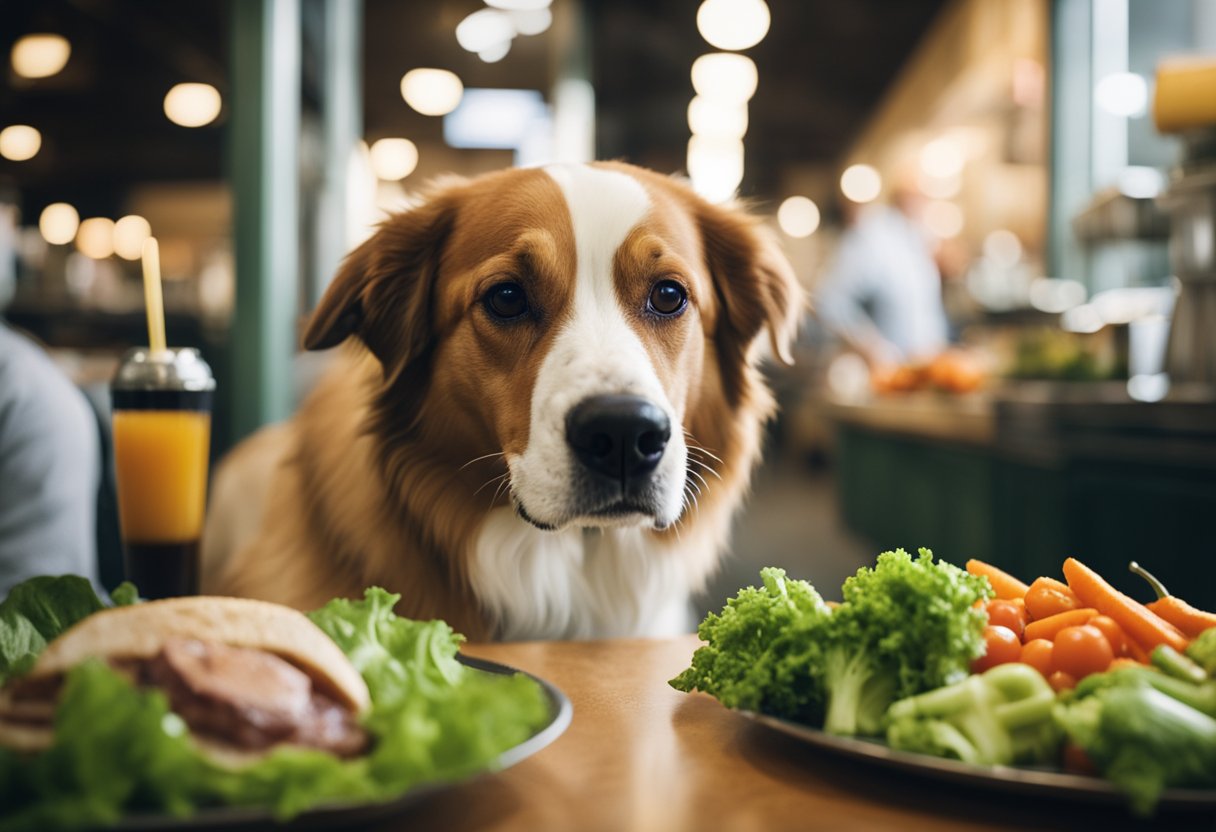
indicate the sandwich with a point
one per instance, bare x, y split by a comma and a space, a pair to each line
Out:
245, 677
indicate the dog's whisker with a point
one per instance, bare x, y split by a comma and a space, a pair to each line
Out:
487, 482
708, 469
480, 458
504, 484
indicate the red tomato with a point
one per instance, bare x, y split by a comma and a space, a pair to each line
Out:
1038, 654
1003, 646
1008, 614
1082, 650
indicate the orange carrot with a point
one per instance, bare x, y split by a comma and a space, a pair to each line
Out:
1048, 627
1137, 653
1047, 597
1182, 615
1124, 661
1003, 584
1141, 624
1188, 619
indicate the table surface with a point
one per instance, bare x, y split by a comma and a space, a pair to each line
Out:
642, 756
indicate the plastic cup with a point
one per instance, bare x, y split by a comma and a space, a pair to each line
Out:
162, 438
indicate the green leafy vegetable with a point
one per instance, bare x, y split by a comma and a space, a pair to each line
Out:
761, 653
906, 626
119, 750
1002, 716
36, 612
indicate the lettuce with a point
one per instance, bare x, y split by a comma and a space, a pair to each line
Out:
120, 750
35, 613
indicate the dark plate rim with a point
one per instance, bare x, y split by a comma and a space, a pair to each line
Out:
1015, 779
561, 713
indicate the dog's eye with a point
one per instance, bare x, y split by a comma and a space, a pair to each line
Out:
667, 298
506, 301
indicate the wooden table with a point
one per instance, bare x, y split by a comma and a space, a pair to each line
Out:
642, 756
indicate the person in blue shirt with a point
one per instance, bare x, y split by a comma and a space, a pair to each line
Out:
50, 465
882, 292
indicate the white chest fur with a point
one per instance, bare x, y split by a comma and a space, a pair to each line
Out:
577, 583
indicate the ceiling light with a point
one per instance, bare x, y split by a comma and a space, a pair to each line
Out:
19, 142
733, 24
715, 166
943, 157
192, 105
432, 92
394, 159
725, 76
58, 223
943, 219
798, 216
484, 29
935, 187
716, 117
861, 183
95, 237
1003, 247
130, 232
519, 5
495, 53
1122, 94
40, 56
531, 21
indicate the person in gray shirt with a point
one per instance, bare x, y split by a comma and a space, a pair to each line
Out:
50, 465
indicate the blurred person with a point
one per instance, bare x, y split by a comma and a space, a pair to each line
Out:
882, 294
50, 465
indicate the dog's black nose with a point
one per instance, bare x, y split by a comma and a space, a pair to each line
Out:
621, 437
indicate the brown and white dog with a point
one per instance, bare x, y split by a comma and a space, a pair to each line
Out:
547, 414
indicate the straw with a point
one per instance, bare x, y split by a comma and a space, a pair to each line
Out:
152, 296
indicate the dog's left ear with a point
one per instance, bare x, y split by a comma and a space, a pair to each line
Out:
754, 281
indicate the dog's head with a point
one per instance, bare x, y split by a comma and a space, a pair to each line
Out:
571, 319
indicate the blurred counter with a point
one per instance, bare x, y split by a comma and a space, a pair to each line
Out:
1028, 473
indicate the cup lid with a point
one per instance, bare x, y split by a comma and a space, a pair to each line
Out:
180, 368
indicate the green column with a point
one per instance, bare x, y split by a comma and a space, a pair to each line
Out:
263, 154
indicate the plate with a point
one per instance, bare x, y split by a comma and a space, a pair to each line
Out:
347, 815
1009, 779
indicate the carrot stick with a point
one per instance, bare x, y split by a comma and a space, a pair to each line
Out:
1139, 622
1182, 615
1048, 627
1137, 653
1003, 584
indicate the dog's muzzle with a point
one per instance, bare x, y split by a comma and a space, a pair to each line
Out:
618, 438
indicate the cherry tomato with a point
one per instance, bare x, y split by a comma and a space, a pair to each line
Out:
1008, 614
1075, 760
1061, 681
1047, 596
1113, 632
1082, 650
1003, 646
1038, 654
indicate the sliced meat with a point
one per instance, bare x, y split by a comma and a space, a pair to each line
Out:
250, 698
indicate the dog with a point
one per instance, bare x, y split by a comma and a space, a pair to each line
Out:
546, 409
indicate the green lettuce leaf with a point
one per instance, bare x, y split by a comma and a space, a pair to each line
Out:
120, 750
36, 612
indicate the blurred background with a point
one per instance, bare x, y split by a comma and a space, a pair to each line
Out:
1004, 210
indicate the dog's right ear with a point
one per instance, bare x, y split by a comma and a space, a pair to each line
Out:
382, 292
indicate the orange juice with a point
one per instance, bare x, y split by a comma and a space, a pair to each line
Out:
162, 437
160, 458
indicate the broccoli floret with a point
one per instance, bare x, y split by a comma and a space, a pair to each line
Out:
1002, 716
762, 652
906, 626
1202, 651
1140, 738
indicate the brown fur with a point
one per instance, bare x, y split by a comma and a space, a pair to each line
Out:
382, 478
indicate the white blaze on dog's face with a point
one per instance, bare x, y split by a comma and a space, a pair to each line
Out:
574, 322
606, 444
